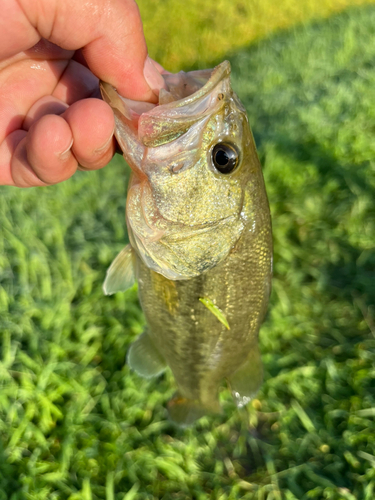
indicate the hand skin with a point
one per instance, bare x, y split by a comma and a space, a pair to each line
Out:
52, 53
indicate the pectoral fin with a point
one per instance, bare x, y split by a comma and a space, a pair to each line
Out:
120, 274
246, 381
144, 358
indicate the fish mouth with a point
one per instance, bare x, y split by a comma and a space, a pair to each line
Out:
185, 100
177, 250
187, 88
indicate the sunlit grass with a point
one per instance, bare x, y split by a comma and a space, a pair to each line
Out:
194, 33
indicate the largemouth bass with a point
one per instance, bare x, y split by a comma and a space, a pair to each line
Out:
200, 238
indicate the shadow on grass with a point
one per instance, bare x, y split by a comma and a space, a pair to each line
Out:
10, 486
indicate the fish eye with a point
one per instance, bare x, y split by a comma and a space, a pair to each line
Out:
225, 157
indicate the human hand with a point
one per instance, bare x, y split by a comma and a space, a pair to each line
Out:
50, 122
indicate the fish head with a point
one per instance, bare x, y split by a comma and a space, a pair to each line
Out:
193, 157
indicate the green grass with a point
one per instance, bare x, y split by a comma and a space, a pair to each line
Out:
76, 424
208, 30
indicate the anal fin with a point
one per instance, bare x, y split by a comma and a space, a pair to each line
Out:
144, 358
120, 274
184, 411
246, 381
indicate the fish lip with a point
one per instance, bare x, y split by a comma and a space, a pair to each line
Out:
218, 74
123, 105
207, 225
195, 230
153, 125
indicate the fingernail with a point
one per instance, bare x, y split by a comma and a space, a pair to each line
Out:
152, 76
105, 145
66, 153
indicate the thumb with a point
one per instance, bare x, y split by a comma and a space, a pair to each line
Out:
111, 35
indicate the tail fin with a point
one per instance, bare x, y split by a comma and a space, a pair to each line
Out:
184, 412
